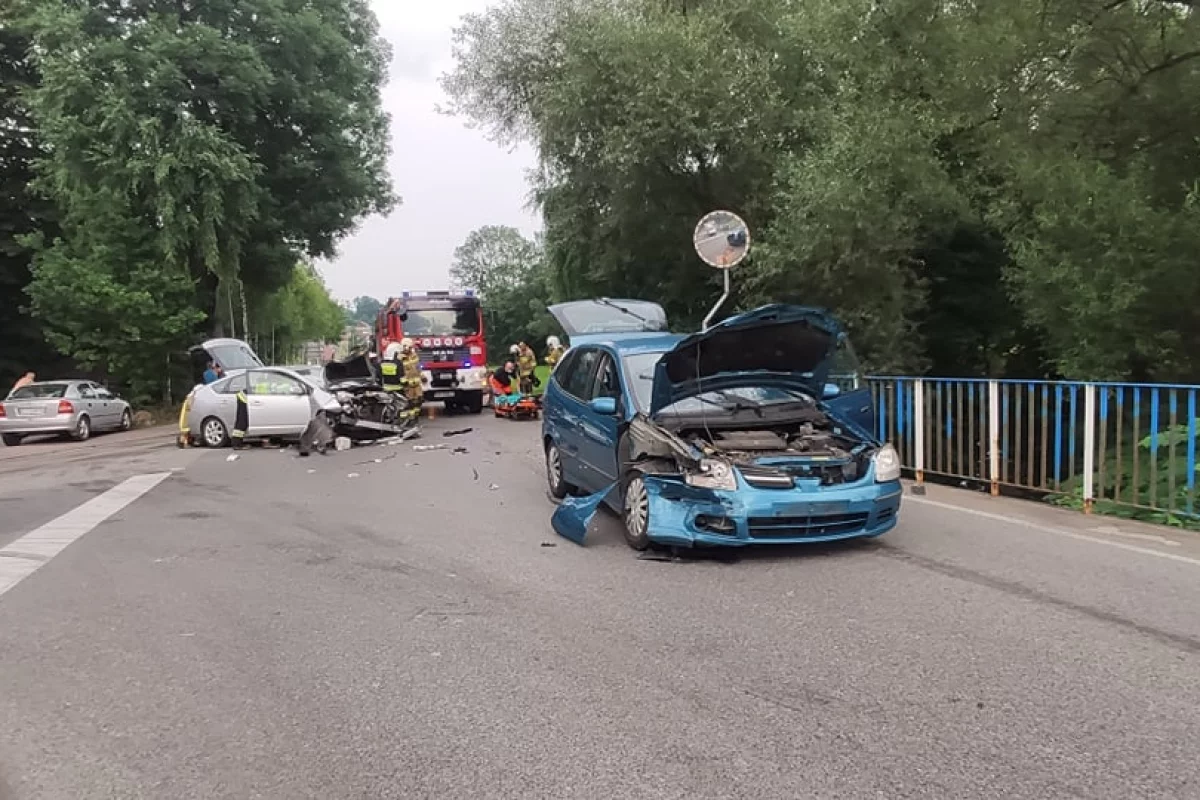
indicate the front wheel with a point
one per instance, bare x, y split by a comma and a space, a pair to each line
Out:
126, 419
213, 432
559, 488
636, 513
474, 403
83, 429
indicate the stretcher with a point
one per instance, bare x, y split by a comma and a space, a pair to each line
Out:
526, 406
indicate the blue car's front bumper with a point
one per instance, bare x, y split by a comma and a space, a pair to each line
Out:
685, 516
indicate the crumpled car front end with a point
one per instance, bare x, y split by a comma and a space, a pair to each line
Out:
809, 478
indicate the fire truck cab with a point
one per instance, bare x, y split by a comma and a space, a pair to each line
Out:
447, 329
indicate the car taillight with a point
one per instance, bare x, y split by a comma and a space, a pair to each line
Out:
3, 413
65, 407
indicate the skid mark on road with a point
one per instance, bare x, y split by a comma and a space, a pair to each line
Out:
22, 558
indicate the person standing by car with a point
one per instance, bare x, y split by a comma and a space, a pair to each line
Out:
241, 421
554, 352
210, 373
23, 381
413, 388
527, 365
392, 370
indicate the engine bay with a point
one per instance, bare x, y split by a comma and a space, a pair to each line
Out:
813, 447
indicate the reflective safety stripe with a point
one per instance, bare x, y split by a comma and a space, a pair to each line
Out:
241, 396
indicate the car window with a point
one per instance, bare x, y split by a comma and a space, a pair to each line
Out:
231, 385
86, 392
35, 391
639, 368
562, 372
103, 394
579, 383
275, 384
607, 382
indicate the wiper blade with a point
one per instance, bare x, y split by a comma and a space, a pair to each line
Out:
604, 301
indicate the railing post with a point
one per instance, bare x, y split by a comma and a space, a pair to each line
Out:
994, 436
918, 422
1089, 447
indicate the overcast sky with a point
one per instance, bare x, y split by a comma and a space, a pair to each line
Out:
451, 180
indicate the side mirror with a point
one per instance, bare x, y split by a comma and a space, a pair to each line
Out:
831, 391
604, 405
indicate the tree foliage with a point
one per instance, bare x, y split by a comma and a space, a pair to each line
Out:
195, 152
364, 309
301, 312
509, 273
976, 188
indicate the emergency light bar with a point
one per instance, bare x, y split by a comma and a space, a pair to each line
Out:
437, 293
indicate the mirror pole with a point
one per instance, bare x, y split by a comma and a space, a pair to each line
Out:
720, 302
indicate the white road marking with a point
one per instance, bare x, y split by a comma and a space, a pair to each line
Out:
1083, 537
23, 557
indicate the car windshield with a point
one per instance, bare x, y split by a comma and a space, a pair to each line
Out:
640, 369
234, 356
38, 391
442, 322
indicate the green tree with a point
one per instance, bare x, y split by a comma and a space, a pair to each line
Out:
21, 213
218, 141
302, 311
364, 309
508, 271
980, 189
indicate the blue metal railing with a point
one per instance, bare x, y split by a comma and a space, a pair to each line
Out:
1129, 449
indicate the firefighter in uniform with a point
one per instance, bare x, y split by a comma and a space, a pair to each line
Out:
241, 421
554, 352
414, 389
391, 370
526, 364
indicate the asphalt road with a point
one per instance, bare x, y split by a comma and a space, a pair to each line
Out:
273, 627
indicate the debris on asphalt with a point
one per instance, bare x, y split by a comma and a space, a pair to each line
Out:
311, 471
458, 432
549, 544
232, 457
424, 448
493, 488
461, 450
657, 555
341, 443
352, 475
474, 474
388, 457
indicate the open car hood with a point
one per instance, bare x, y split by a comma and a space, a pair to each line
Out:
784, 346
356, 368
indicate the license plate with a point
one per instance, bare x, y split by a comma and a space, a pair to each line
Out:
29, 412
443, 395
811, 509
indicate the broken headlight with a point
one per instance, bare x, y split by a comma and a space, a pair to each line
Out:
711, 474
887, 464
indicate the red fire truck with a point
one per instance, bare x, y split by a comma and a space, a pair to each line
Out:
447, 329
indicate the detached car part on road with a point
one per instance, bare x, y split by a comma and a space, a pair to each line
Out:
74, 408
724, 438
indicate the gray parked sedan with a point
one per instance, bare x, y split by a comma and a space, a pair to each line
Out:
75, 408
281, 403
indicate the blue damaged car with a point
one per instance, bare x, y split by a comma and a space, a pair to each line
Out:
756, 431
